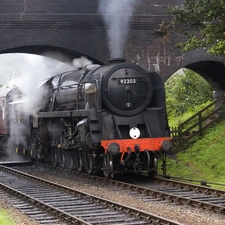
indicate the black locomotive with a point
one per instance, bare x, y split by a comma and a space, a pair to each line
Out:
109, 118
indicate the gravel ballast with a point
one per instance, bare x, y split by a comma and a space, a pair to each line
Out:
182, 214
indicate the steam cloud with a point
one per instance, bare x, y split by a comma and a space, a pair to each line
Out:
36, 70
81, 62
33, 71
117, 15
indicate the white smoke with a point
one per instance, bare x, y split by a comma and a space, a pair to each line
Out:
117, 15
35, 70
81, 62
31, 71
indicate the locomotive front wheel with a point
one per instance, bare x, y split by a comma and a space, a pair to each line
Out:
70, 157
153, 165
107, 166
76, 162
54, 157
62, 159
90, 164
80, 163
66, 160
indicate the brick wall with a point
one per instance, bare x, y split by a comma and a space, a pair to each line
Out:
76, 28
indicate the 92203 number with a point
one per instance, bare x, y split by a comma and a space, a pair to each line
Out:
127, 81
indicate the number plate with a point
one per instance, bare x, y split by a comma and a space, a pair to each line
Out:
126, 81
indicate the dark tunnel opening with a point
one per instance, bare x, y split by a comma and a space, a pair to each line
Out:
212, 71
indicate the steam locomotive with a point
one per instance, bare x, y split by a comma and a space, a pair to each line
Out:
109, 119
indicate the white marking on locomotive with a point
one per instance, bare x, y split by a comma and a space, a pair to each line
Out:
128, 104
134, 133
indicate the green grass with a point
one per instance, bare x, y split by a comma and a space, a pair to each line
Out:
204, 159
5, 218
174, 121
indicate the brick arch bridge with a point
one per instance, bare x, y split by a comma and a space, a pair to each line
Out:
76, 28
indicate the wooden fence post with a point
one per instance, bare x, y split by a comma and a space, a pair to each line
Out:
200, 123
180, 137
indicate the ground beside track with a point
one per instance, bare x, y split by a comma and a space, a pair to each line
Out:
171, 211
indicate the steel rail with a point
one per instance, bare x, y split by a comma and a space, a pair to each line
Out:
190, 186
177, 198
141, 215
169, 196
214, 195
62, 215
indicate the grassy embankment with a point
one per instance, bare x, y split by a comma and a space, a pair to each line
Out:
204, 159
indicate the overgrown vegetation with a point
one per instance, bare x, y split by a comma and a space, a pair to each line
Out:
203, 22
186, 94
204, 160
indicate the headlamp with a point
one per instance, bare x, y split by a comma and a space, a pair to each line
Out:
134, 133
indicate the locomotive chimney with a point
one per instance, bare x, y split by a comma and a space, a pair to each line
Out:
116, 60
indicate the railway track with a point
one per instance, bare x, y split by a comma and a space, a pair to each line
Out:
57, 204
180, 193
177, 192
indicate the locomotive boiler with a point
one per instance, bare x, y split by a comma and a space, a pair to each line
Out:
109, 119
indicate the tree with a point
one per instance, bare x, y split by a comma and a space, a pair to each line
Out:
203, 21
186, 91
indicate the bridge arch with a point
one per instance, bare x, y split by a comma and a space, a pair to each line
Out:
210, 67
77, 28
44, 47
